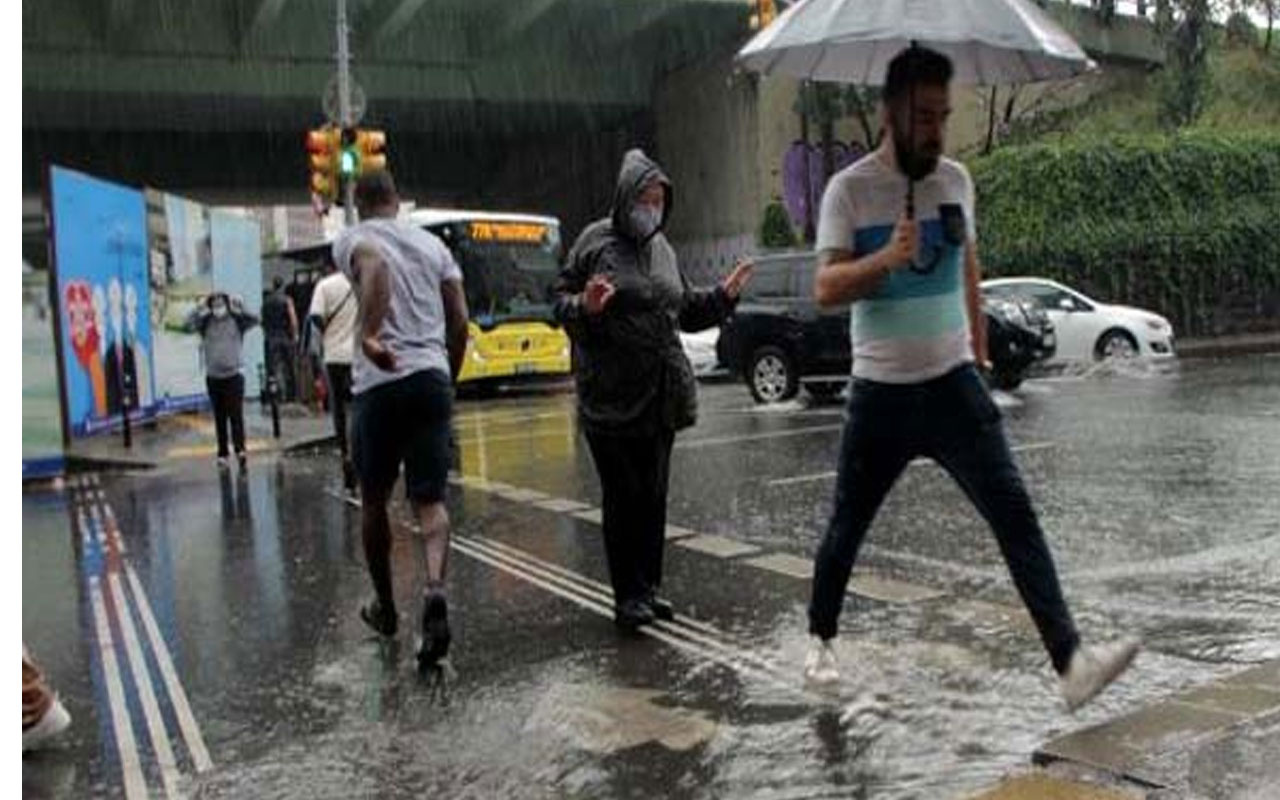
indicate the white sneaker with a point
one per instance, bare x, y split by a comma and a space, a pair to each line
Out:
820, 667
1092, 668
55, 721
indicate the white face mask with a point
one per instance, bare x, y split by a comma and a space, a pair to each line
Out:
645, 219
219, 310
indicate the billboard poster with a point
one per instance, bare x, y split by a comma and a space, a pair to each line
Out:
41, 418
181, 261
237, 270
104, 298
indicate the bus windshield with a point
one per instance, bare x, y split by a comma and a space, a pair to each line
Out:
509, 271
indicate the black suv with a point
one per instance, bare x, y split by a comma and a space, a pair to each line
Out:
779, 338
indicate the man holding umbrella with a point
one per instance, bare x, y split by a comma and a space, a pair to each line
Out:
918, 337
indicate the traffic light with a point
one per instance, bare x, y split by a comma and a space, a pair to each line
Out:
371, 146
339, 155
323, 149
766, 11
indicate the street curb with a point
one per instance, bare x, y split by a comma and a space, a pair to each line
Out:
1153, 746
1229, 346
81, 463
75, 463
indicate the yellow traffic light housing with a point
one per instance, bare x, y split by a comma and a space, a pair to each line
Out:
371, 148
323, 150
766, 11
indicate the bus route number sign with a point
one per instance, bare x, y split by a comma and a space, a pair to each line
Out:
523, 232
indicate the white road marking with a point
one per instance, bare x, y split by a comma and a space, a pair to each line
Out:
589, 582
783, 564
753, 437
829, 474
182, 708
561, 505
595, 515
692, 643
113, 533
698, 640
146, 692
135, 785
480, 419
515, 437
717, 546
817, 476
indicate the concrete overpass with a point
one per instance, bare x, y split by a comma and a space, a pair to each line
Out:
486, 102
212, 98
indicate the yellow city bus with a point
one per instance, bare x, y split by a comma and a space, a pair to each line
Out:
509, 265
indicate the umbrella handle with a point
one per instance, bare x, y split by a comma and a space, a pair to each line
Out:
911, 133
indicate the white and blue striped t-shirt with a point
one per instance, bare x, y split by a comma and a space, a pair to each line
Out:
915, 325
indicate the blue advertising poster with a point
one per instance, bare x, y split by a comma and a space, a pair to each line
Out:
237, 270
181, 278
104, 299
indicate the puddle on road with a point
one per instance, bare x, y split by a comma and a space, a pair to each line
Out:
605, 720
1111, 368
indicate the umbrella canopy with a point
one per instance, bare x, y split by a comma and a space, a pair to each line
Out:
989, 42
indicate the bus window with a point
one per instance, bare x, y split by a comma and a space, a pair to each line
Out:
509, 271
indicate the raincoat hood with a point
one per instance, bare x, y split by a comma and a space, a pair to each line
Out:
637, 171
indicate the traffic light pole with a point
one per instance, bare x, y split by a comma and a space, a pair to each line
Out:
344, 108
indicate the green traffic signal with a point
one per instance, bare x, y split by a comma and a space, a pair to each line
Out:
349, 162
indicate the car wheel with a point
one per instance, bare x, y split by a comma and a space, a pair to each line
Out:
1116, 343
771, 376
824, 390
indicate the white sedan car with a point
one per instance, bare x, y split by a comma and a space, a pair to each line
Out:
1087, 329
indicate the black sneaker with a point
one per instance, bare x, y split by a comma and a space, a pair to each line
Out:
349, 477
661, 609
631, 614
382, 621
243, 460
435, 632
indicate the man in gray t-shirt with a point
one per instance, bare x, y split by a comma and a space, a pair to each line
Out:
411, 338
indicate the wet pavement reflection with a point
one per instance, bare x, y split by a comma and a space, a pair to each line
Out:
1156, 489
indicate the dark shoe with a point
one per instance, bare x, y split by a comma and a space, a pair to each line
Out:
662, 609
244, 461
631, 614
348, 476
435, 632
382, 621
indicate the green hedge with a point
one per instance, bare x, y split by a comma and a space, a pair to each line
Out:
1188, 225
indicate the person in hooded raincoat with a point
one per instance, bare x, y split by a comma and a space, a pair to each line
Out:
623, 300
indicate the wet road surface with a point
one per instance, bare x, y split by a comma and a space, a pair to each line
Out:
235, 597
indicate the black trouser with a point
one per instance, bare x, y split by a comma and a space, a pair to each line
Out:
227, 397
339, 399
952, 420
634, 471
280, 363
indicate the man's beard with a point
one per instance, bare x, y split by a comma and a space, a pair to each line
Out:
916, 165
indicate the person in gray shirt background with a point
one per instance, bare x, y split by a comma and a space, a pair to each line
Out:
222, 321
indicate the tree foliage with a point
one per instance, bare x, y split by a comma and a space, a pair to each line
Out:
1184, 223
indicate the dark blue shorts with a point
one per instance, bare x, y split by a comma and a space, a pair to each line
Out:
404, 422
